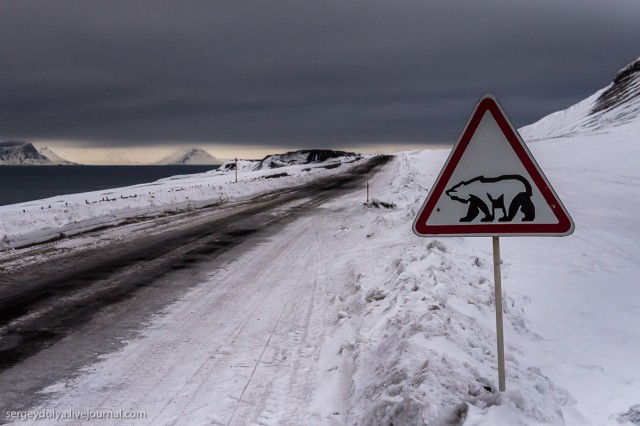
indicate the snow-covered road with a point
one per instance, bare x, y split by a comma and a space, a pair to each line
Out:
69, 302
241, 348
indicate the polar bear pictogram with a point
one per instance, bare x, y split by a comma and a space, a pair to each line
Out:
509, 193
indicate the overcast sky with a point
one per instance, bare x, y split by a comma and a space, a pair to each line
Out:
302, 73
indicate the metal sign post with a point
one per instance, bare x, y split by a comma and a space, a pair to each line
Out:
497, 279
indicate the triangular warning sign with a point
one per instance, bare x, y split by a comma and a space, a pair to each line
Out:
491, 185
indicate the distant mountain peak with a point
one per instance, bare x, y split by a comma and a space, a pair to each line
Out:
18, 153
191, 156
54, 158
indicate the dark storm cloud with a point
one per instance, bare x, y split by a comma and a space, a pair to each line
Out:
300, 73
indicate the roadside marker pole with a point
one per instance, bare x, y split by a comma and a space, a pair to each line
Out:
367, 192
236, 167
497, 279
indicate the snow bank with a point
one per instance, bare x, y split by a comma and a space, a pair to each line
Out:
36, 221
423, 348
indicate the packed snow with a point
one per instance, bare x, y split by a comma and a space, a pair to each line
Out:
347, 318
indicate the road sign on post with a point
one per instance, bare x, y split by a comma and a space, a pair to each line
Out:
491, 186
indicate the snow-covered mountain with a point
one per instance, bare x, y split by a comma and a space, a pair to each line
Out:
54, 158
242, 165
292, 158
307, 156
190, 156
17, 153
617, 105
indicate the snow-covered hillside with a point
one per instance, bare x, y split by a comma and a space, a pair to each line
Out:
191, 156
615, 106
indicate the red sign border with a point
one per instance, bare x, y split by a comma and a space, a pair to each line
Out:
489, 103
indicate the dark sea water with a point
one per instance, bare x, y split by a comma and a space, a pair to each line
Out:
26, 183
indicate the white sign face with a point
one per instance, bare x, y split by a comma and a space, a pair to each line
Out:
491, 185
